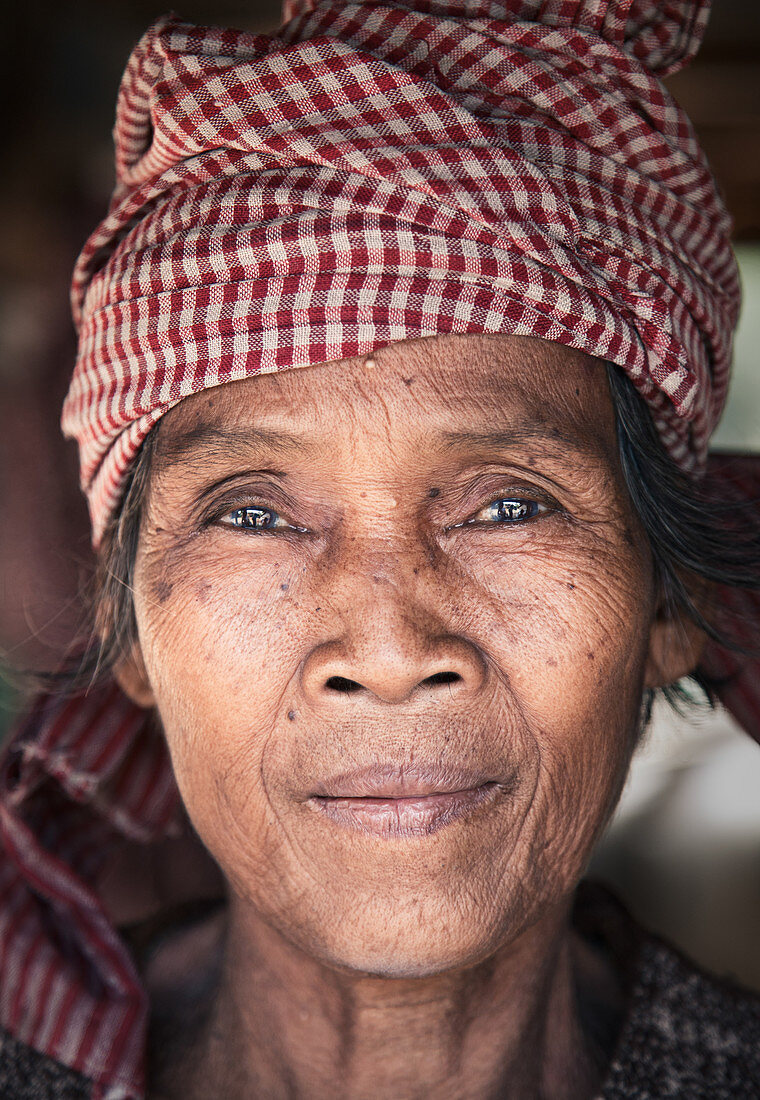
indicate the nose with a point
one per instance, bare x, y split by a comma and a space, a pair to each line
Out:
392, 647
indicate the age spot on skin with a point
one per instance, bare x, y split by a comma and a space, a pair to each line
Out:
202, 590
163, 590
408, 381
433, 493
284, 586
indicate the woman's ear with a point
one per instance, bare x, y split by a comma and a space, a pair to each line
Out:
131, 676
675, 640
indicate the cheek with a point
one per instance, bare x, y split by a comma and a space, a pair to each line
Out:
568, 621
571, 632
221, 652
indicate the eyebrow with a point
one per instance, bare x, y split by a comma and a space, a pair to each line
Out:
207, 441
504, 439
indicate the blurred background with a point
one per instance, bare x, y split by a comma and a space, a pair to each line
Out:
684, 848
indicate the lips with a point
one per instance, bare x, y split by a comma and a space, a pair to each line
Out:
392, 802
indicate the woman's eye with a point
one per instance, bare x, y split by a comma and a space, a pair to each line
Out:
253, 519
509, 510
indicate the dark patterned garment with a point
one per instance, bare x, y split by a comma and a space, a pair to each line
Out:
685, 1035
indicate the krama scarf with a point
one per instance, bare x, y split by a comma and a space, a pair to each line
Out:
385, 171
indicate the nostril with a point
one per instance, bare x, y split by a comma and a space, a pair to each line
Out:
343, 685
442, 678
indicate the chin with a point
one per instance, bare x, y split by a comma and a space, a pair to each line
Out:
412, 941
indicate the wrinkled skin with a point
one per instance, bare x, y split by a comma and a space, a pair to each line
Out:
387, 566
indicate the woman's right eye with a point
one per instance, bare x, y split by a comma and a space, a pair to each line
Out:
253, 519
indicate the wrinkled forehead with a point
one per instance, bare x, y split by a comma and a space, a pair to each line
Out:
441, 391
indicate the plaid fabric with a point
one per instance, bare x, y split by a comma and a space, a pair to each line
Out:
382, 172
80, 777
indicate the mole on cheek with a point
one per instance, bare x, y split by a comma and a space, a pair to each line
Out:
433, 493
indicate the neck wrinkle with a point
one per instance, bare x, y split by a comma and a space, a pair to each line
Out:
285, 1025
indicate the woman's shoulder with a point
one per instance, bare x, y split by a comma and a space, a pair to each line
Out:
25, 1074
686, 1033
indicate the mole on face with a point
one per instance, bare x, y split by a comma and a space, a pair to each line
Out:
433, 493
163, 590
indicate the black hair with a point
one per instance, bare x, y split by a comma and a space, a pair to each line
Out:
699, 534
696, 535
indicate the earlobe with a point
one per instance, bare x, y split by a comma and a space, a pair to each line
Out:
675, 647
131, 676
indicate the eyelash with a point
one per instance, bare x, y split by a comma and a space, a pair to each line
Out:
513, 511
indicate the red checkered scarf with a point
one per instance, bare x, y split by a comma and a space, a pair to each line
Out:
366, 176
381, 172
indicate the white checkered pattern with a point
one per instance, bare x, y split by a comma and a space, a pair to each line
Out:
396, 170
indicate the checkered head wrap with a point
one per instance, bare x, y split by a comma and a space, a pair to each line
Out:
384, 171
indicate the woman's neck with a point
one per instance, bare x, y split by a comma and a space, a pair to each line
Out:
282, 1024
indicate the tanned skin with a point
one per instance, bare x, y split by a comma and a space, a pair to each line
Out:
447, 581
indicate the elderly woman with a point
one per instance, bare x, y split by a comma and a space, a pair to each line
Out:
376, 638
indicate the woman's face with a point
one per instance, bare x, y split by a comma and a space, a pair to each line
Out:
396, 620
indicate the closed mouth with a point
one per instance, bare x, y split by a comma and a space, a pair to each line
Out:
408, 814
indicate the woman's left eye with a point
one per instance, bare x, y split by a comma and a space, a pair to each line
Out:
253, 519
509, 511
